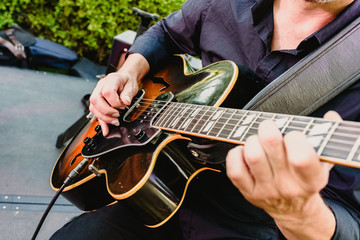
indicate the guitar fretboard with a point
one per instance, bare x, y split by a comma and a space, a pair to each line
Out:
337, 142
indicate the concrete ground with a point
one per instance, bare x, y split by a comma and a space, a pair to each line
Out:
35, 107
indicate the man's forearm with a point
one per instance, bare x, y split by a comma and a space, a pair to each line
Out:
135, 65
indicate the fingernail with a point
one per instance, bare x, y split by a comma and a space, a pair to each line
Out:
117, 114
128, 99
115, 122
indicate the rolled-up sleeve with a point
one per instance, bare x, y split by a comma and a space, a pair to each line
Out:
177, 33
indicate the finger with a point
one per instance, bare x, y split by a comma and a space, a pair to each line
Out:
257, 161
333, 116
271, 141
303, 159
129, 91
237, 171
110, 94
103, 107
105, 118
100, 104
104, 128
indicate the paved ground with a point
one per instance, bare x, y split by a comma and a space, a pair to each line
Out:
35, 107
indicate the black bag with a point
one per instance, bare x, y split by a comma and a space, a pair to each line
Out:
20, 48
48, 54
14, 46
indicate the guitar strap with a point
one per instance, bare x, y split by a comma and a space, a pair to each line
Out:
316, 79
305, 87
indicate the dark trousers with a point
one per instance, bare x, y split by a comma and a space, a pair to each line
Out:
213, 209
116, 221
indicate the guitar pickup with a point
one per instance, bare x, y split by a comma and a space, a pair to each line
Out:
139, 96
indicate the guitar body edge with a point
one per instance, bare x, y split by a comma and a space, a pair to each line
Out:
161, 192
207, 86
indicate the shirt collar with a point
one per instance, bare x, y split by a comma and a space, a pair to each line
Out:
262, 14
263, 21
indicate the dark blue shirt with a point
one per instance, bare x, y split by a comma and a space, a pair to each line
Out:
241, 31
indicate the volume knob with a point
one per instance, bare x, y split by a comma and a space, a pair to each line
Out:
140, 135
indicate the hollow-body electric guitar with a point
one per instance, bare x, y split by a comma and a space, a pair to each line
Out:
144, 162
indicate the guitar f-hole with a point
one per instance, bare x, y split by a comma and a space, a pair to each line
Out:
160, 81
73, 160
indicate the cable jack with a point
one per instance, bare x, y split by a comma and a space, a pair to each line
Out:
74, 173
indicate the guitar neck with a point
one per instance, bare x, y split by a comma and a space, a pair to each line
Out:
336, 142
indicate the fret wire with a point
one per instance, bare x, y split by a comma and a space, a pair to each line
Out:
350, 128
201, 129
259, 117
250, 126
225, 123
182, 108
308, 126
208, 113
328, 136
335, 147
160, 116
187, 118
216, 120
180, 116
273, 117
212, 120
199, 119
287, 124
353, 150
164, 113
168, 118
244, 113
192, 115
293, 128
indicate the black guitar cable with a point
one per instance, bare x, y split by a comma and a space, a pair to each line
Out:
75, 172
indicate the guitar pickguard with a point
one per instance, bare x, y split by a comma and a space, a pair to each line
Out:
131, 132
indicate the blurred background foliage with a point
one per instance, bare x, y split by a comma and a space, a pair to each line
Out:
85, 26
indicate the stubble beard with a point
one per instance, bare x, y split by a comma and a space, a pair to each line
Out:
320, 1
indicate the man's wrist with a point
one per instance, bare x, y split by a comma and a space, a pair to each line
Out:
314, 221
135, 65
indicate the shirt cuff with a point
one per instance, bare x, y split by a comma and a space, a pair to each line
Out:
347, 221
154, 47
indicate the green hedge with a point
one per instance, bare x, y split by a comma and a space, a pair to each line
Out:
85, 26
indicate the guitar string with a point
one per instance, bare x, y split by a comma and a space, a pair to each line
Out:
344, 125
348, 144
337, 134
251, 128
